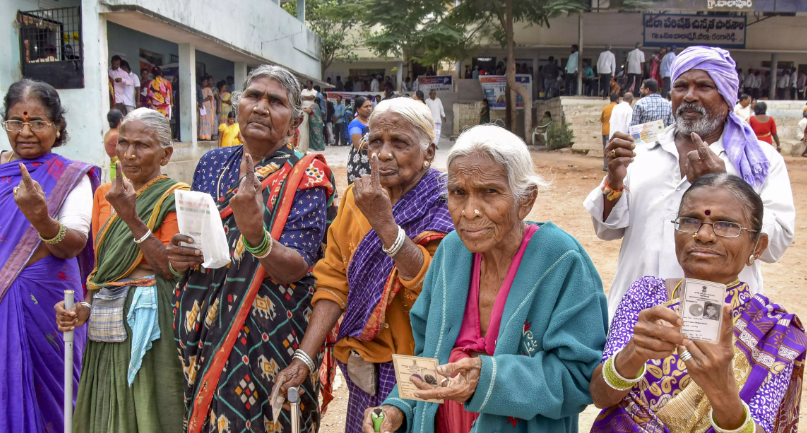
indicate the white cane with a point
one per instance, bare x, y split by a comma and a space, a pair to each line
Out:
68, 368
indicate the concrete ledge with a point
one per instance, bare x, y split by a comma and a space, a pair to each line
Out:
186, 156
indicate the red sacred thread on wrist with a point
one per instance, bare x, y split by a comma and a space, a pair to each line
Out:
612, 194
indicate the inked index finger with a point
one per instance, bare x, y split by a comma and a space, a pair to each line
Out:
118, 173
375, 176
26, 177
247, 167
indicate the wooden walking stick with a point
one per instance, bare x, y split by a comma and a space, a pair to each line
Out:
68, 368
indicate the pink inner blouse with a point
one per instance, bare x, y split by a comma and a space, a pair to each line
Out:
451, 416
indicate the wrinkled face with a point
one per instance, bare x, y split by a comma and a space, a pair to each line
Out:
400, 156
264, 112
482, 207
26, 143
697, 104
707, 256
141, 154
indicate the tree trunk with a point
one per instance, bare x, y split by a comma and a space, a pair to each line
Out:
508, 110
511, 77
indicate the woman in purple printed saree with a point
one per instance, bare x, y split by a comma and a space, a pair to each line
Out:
750, 380
45, 210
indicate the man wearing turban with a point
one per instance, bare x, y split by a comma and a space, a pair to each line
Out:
642, 191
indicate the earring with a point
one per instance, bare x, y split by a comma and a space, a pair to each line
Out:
58, 134
695, 235
426, 164
463, 212
751, 259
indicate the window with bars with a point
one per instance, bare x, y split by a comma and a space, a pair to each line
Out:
51, 46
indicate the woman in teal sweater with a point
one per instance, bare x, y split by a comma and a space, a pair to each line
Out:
517, 344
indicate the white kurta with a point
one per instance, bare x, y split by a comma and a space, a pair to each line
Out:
643, 215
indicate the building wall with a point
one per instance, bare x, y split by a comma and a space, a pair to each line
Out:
258, 27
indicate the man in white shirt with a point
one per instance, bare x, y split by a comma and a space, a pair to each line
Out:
794, 78
748, 84
438, 114
571, 72
374, 85
665, 71
635, 66
782, 84
756, 86
652, 183
606, 67
800, 129
120, 79
131, 96
802, 85
743, 108
621, 115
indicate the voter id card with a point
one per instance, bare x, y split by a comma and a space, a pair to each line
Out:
647, 132
702, 309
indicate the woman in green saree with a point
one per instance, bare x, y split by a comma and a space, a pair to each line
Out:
316, 140
131, 379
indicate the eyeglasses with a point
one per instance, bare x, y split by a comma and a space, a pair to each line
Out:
721, 228
35, 125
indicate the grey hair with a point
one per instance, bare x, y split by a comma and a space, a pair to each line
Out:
154, 121
282, 76
416, 113
752, 206
508, 150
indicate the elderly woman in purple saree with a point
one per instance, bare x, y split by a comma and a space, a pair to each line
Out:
654, 379
45, 208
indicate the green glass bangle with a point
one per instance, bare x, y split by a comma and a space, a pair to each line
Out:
176, 274
614, 380
261, 249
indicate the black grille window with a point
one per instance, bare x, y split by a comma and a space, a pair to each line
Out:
51, 46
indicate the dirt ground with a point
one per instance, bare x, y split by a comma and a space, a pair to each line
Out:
573, 177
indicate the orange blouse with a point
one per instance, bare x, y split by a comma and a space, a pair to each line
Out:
102, 210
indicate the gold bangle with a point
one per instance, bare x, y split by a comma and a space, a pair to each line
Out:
58, 238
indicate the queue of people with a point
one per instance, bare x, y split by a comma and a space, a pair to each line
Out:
411, 262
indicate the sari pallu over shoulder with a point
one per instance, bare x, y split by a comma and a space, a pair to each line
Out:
282, 176
423, 214
57, 176
768, 340
155, 200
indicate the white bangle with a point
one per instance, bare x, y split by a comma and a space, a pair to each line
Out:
86, 304
397, 245
636, 380
302, 356
747, 427
145, 236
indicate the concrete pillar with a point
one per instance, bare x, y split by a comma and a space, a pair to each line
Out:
580, 54
187, 93
301, 10
399, 76
240, 74
772, 77
535, 75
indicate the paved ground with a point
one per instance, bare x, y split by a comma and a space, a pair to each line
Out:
573, 177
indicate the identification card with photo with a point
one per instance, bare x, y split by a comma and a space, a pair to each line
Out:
702, 309
406, 366
647, 132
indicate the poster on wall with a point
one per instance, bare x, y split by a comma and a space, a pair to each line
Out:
493, 86
438, 83
686, 30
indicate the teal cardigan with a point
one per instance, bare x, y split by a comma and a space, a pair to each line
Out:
551, 337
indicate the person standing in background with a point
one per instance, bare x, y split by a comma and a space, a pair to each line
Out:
794, 78
551, 73
340, 86
338, 117
741, 77
665, 71
475, 73
225, 101
765, 84
764, 126
748, 84
756, 85
374, 85
207, 119
588, 78
114, 117
606, 67
130, 99
571, 72
652, 106
605, 119
359, 85
782, 85
484, 113
802, 85
144, 87
801, 130
743, 107
634, 65
330, 111
120, 79
438, 114
621, 116
230, 84
349, 84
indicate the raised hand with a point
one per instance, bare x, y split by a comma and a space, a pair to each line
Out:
247, 203
373, 199
122, 196
30, 198
618, 156
702, 160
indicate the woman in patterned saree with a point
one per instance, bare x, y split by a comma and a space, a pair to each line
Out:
45, 212
160, 93
379, 248
131, 380
207, 121
750, 380
237, 326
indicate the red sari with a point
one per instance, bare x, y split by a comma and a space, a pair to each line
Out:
765, 130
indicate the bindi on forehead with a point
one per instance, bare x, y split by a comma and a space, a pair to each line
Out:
708, 212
